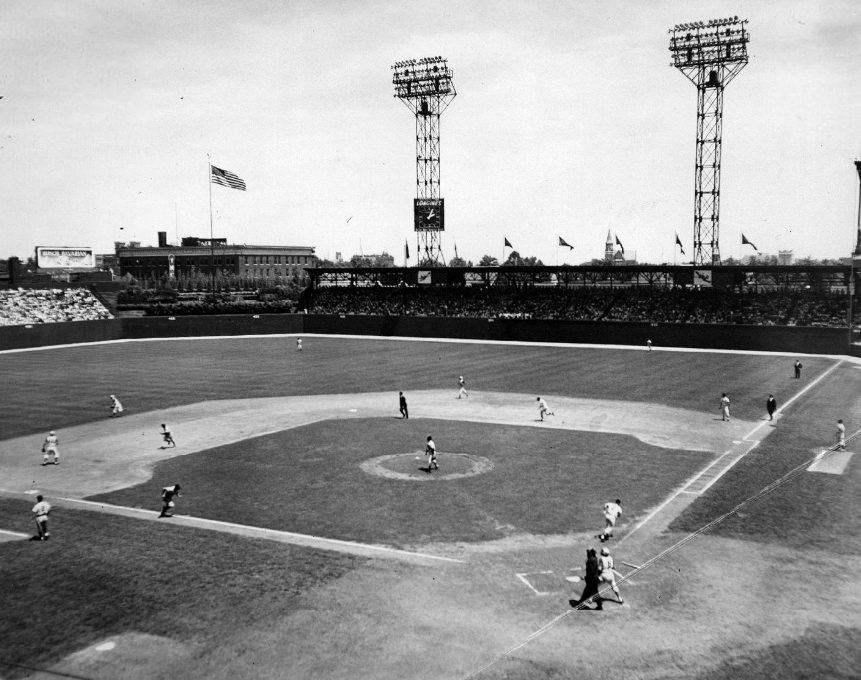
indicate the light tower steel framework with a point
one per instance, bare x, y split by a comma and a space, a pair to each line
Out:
710, 54
425, 86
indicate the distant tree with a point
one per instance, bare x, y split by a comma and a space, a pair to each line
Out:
381, 260
488, 261
459, 262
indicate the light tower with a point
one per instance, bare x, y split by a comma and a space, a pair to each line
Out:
425, 86
710, 54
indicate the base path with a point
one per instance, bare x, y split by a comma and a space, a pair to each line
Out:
117, 453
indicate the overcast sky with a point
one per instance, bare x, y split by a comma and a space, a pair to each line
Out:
569, 121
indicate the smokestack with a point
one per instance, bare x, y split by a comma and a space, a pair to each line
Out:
162, 239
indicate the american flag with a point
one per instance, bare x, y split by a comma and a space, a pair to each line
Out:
227, 179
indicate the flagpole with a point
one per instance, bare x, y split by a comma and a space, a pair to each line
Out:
211, 242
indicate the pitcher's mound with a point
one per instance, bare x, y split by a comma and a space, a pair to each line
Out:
413, 466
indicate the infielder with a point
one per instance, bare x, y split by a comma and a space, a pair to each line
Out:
461, 383
41, 510
840, 436
724, 407
612, 512
430, 452
51, 449
543, 410
168, 493
166, 434
116, 407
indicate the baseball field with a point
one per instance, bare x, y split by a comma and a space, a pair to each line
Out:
310, 540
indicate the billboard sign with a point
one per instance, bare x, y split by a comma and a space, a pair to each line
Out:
429, 214
65, 257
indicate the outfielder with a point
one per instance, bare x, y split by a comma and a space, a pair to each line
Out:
51, 449
461, 383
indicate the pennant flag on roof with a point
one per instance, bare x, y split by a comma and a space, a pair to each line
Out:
562, 243
508, 243
619, 243
745, 242
679, 244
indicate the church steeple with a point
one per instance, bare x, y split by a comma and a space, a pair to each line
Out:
608, 248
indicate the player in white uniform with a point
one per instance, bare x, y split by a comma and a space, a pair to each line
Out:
51, 449
724, 407
612, 512
840, 436
298, 344
168, 437
605, 572
41, 510
543, 410
116, 407
430, 452
461, 383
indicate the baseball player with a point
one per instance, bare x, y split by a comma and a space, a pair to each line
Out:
41, 510
605, 572
298, 344
168, 493
405, 411
116, 407
543, 410
612, 512
840, 436
461, 383
724, 407
51, 449
430, 452
166, 434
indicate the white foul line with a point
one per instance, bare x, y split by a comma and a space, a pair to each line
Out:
685, 488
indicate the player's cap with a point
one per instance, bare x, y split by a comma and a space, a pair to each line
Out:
51, 432
113, 396
604, 551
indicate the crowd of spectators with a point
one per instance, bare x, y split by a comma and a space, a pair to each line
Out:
653, 305
21, 306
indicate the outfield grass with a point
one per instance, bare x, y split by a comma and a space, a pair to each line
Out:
308, 480
813, 510
55, 388
101, 575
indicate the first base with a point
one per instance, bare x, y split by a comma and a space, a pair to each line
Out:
572, 579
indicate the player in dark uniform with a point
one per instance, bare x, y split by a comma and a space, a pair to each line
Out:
168, 493
405, 413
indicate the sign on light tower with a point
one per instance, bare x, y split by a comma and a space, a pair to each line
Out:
426, 87
710, 54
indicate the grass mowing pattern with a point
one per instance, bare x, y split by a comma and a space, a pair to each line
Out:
308, 480
812, 511
101, 575
54, 388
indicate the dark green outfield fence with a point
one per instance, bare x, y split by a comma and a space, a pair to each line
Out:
807, 340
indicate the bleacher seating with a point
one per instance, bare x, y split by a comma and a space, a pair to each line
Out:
35, 306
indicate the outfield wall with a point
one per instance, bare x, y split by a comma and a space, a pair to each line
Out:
805, 340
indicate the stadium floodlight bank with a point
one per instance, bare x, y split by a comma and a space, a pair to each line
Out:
710, 54
426, 87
